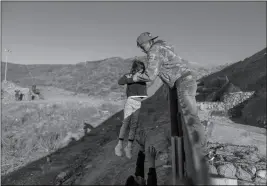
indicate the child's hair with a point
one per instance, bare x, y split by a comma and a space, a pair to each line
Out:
137, 66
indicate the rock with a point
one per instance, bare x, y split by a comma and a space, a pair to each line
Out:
89, 166
228, 170
230, 148
164, 157
224, 153
213, 145
242, 161
262, 174
231, 158
240, 154
243, 182
48, 159
212, 169
201, 106
252, 157
242, 174
259, 180
251, 169
218, 157
260, 165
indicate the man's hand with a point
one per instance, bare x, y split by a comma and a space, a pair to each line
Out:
135, 77
142, 140
151, 156
128, 75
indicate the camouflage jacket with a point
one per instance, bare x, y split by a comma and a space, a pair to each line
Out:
163, 62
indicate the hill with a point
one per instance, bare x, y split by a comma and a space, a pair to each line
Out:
92, 78
249, 75
95, 78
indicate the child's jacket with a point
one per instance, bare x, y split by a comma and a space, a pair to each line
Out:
134, 89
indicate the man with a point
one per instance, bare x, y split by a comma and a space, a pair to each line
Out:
165, 66
138, 178
17, 94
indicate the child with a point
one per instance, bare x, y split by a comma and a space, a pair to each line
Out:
135, 93
139, 177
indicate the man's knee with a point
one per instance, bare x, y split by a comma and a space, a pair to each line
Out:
189, 102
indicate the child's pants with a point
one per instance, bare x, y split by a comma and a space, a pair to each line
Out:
131, 115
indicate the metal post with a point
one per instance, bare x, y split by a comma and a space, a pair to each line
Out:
7, 51
6, 68
176, 138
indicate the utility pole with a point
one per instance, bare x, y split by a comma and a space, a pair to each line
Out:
7, 52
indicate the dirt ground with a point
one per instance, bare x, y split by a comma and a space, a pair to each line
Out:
91, 160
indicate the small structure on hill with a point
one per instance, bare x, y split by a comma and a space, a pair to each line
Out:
12, 92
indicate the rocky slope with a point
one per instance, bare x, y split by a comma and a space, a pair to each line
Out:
250, 76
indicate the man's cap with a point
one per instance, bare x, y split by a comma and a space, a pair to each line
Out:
144, 37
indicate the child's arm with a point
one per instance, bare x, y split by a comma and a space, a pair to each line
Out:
125, 80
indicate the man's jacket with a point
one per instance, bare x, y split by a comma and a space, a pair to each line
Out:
163, 62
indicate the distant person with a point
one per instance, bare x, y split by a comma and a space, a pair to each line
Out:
21, 96
165, 66
135, 93
17, 95
139, 177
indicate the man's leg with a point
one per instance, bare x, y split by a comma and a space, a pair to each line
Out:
187, 92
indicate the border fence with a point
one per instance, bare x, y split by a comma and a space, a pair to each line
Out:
188, 164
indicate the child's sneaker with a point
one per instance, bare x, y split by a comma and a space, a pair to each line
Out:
128, 152
118, 150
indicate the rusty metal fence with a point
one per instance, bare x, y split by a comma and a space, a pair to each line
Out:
188, 164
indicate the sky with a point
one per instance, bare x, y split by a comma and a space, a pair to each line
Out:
209, 33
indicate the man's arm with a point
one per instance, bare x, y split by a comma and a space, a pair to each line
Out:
125, 80
140, 164
151, 175
152, 69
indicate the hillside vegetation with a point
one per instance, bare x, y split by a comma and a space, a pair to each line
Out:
95, 78
32, 130
249, 75
92, 78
